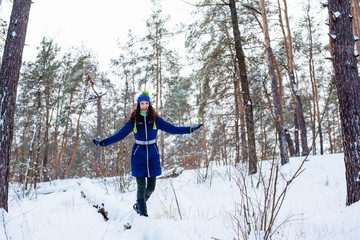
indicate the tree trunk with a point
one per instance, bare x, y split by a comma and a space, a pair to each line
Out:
290, 143
46, 136
98, 151
30, 160
206, 158
274, 88
244, 146
98, 135
347, 84
329, 133
355, 12
314, 83
56, 163
76, 143
237, 119
296, 97
62, 154
264, 145
40, 142
314, 87
9, 77
240, 56
162, 138
313, 119
158, 65
296, 136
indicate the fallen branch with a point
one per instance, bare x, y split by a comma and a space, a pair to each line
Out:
101, 207
172, 173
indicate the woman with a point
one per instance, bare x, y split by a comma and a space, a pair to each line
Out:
144, 122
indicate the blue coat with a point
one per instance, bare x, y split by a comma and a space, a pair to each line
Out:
145, 159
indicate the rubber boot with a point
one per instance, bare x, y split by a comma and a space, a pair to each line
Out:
142, 207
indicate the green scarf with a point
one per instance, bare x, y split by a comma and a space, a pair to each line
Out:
144, 114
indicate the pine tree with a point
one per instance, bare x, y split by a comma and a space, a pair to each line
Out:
38, 85
9, 77
348, 86
274, 88
299, 117
245, 88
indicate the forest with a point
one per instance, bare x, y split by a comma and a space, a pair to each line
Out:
64, 101
264, 80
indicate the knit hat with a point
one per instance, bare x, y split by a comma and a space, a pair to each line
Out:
144, 97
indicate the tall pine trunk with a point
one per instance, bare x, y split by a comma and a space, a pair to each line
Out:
355, 12
237, 118
274, 88
46, 136
296, 135
244, 146
98, 151
240, 56
347, 84
9, 77
314, 83
300, 120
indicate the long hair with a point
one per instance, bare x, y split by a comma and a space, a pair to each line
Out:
135, 114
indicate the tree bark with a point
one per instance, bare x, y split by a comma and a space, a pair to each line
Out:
9, 77
355, 12
240, 56
347, 84
274, 88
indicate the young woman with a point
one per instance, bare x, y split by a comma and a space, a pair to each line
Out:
144, 122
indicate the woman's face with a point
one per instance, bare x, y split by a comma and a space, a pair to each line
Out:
144, 105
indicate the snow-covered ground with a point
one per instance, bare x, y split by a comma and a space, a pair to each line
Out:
181, 208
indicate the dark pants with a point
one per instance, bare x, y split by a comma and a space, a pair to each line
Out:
145, 187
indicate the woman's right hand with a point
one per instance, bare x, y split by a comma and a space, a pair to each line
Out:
98, 143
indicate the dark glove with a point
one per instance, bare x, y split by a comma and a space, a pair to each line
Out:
98, 143
193, 129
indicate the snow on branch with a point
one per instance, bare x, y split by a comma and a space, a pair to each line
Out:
335, 15
333, 37
356, 54
82, 104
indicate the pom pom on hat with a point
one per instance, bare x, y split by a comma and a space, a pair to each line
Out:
144, 97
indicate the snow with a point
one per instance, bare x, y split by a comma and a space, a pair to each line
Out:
13, 34
336, 14
332, 36
315, 203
